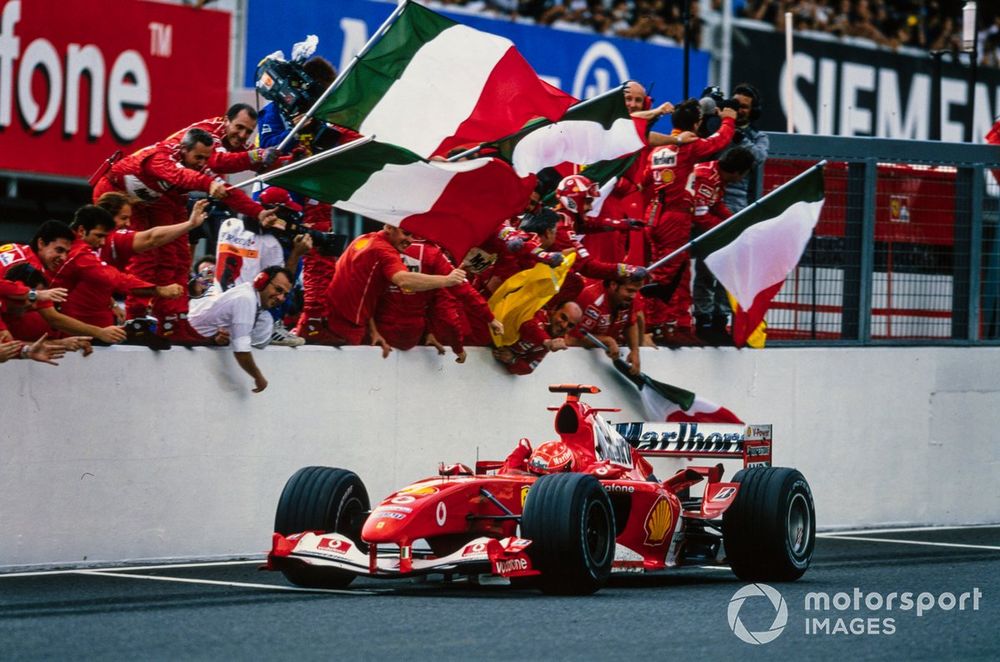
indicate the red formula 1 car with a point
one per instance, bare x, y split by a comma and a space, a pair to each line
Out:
571, 511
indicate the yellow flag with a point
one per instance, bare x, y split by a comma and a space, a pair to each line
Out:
523, 294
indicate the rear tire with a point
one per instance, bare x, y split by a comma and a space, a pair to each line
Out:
770, 529
327, 500
569, 519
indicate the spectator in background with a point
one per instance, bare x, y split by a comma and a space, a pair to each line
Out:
543, 333
231, 317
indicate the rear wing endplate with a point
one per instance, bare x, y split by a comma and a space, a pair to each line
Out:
751, 443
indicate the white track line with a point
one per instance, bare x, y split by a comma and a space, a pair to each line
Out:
164, 566
915, 529
910, 542
212, 582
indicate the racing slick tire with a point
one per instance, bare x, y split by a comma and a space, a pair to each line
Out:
322, 499
770, 529
569, 519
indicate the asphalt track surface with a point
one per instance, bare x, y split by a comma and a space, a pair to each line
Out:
233, 611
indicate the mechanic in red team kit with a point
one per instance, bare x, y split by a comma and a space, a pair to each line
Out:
611, 315
124, 242
543, 333
404, 319
364, 272
34, 265
671, 166
91, 283
160, 176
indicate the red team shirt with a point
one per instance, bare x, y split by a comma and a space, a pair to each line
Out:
708, 190
597, 316
364, 272
118, 248
23, 320
91, 284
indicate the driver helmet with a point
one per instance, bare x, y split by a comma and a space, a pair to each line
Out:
275, 195
551, 457
573, 190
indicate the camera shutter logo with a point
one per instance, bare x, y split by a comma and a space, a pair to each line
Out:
780, 616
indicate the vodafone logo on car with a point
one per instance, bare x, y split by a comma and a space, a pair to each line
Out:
80, 80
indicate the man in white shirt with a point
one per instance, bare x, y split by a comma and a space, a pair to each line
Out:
233, 314
244, 249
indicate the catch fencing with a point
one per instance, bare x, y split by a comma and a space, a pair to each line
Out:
906, 250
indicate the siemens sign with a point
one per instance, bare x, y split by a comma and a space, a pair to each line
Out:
582, 64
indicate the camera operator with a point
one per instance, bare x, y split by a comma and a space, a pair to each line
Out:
247, 247
276, 122
711, 303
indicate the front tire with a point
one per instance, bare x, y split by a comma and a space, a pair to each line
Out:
327, 500
569, 519
770, 529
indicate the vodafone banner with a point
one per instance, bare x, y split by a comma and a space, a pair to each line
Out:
81, 79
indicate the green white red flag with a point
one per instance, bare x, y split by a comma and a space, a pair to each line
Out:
752, 253
598, 129
672, 404
431, 84
457, 205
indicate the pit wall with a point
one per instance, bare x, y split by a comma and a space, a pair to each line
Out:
134, 455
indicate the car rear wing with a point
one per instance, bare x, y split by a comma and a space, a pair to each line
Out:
751, 443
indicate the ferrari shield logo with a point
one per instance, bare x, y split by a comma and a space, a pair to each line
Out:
524, 494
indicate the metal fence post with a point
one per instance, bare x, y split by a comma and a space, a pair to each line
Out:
967, 253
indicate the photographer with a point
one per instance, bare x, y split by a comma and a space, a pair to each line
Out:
247, 247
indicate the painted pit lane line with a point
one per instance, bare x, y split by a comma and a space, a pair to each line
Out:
214, 582
897, 541
129, 573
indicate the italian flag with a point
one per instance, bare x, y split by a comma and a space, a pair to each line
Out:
431, 84
599, 129
457, 205
753, 252
672, 404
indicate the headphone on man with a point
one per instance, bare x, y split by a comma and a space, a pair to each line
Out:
756, 108
262, 280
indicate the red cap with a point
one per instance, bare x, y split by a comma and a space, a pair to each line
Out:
275, 195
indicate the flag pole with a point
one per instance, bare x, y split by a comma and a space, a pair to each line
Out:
292, 167
581, 104
666, 258
339, 80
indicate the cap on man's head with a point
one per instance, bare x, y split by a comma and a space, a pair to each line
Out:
275, 195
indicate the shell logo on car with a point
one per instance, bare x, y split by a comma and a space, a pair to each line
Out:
658, 522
